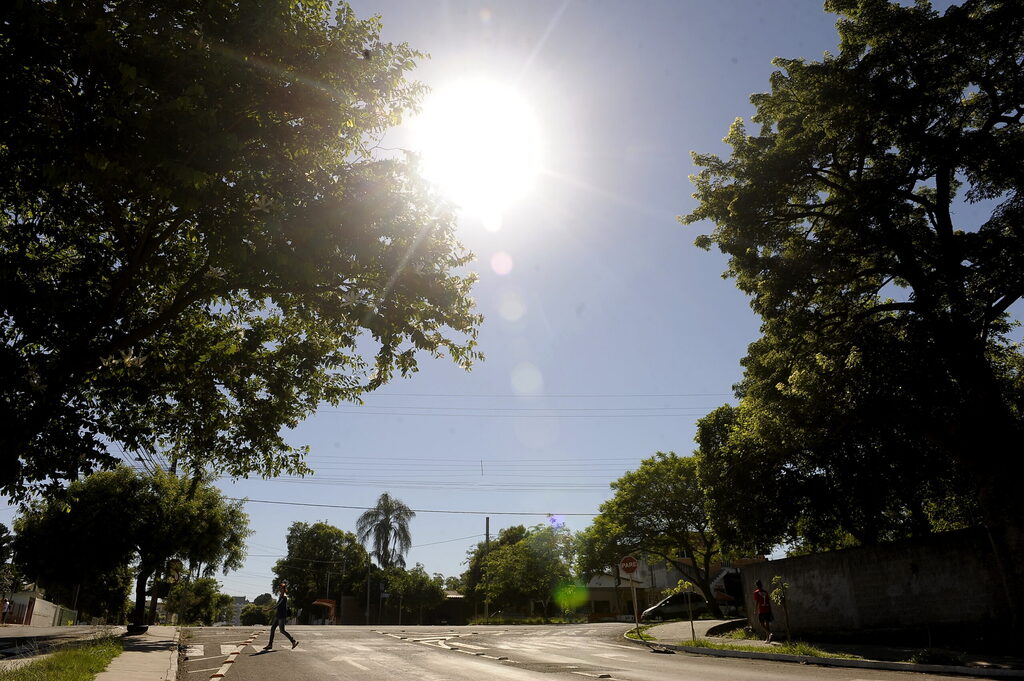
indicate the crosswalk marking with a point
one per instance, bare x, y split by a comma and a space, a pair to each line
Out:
460, 644
227, 648
195, 650
342, 658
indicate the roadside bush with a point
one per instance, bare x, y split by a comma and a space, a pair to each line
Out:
253, 615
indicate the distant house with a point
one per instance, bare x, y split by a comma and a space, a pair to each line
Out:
611, 596
235, 613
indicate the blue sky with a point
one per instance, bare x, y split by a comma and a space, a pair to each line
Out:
607, 333
629, 328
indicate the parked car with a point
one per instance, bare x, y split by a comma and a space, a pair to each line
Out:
675, 607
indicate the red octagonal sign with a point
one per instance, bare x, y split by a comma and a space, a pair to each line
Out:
628, 565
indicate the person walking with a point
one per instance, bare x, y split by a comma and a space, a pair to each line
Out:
763, 605
280, 616
7, 611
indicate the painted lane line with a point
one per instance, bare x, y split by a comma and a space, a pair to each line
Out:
234, 655
196, 671
467, 645
342, 658
194, 650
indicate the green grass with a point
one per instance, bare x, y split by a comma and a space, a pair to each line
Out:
742, 634
81, 662
642, 635
794, 648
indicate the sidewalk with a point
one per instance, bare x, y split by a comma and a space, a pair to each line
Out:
675, 635
152, 656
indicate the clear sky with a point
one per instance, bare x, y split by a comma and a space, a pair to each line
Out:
611, 334
607, 333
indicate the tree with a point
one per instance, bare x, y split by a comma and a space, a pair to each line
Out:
414, 590
386, 527
264, 599
529, 570
472, 578
146, 520
323, 561
196, 231
832, 444
254, 614
843, 212
198, 601
660, 508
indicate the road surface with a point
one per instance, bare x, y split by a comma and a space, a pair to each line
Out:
473, 653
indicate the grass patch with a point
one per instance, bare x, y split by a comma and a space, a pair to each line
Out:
640, 635
793, 648
80, 662
742, 634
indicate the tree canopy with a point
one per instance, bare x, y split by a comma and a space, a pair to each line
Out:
881, 196
529, 570
660, 508
414, 591
199, 242
385, 527
120, 519
199, 601
323, 561
472, 579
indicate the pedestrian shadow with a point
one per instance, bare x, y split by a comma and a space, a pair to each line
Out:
261, 652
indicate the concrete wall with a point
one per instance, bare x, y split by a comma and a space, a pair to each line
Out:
44, 613
946, 579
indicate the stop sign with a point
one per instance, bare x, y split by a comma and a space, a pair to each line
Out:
628, 565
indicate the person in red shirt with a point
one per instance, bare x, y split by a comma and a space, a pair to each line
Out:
763, 605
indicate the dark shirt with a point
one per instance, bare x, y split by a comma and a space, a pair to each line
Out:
282, 606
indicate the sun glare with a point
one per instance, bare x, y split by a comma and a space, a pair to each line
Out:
480, 143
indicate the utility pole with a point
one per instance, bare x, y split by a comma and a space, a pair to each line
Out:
367, 587
487, 549
341, 593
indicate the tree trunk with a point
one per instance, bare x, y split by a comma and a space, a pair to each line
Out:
152, 602
984, 430
139, 617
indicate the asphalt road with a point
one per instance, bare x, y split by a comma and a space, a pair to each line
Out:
477, 653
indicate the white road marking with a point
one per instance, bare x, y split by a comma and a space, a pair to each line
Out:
194, 651
227, 648
342, 658
460, 644
612, 656
196, 671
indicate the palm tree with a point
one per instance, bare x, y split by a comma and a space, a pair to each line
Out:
387, 525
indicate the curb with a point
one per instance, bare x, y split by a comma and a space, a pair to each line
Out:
839, 662
172, 669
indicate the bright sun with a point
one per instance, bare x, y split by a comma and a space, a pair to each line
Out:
480, 143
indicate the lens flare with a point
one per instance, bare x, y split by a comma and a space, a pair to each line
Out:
502, 263
527, 379
571, 595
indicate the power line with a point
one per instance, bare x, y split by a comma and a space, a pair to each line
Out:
577, 395
531, 409
415, 510
311, 560
363, 412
